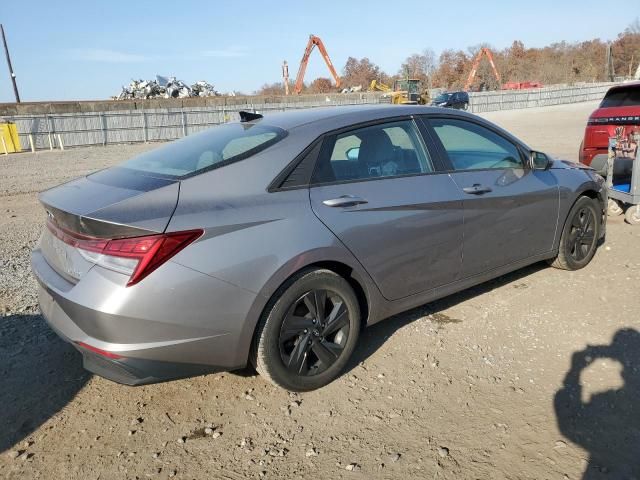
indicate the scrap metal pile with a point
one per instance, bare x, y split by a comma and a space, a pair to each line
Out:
166, 87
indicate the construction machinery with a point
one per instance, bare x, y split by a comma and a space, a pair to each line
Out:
381, 87
476, 62
408, 91
311, 44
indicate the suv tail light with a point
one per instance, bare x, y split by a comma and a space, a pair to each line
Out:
135, 256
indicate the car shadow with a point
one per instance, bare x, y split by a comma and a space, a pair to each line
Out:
372, 338
608, 424
39, 375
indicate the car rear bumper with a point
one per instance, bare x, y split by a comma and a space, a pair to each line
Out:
179, 323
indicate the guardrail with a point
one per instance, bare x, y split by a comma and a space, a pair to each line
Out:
38, 131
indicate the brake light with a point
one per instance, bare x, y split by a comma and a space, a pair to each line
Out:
135, 256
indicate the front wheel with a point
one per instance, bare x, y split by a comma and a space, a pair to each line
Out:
308, 331
580, 235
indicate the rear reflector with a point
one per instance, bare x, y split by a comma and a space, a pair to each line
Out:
99, 351
135, 256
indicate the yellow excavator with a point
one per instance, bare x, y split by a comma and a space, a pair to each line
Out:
404, 92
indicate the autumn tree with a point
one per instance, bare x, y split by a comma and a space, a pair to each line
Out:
419, 65
452, 66
321, 85
271, 89
360, 72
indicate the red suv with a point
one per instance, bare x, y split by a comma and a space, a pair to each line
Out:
620, 107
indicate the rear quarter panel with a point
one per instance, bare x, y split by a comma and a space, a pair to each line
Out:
255, 239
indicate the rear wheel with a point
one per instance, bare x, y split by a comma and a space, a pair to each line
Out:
632, 215
308, 332
579, 239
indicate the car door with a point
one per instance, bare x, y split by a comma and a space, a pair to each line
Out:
510, 210
455, 102
376, 188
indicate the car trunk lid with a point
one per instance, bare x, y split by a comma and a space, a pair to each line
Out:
110, 204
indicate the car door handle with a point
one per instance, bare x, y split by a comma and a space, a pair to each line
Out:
476, 189
344, 201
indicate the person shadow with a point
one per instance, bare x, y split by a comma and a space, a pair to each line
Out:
39, 375
608, 424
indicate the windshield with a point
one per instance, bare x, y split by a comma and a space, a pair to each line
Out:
443, 97
206, 150
622, 97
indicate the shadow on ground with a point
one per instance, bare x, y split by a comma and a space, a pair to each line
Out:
608, 425
375, 336
39, 375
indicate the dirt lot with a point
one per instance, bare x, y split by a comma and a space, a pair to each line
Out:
492, 383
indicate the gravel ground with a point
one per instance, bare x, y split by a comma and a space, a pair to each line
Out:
501, 381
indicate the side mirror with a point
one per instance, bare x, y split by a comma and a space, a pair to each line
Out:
539, 161
353, 153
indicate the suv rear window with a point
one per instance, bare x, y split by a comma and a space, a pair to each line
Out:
213, 148
622, 97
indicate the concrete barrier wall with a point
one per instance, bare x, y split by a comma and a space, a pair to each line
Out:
538, 97
47, 124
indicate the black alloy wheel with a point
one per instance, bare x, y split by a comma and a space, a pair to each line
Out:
308, 331
314, 332
582, 236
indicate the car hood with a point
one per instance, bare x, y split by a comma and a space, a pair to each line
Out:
558, 164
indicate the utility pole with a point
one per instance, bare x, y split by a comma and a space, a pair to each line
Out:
609, 72
285, 77
13, 75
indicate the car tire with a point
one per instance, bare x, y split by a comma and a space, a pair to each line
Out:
308, 331
632, 215
580, 235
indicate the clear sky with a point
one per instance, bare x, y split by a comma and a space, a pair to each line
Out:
89, 49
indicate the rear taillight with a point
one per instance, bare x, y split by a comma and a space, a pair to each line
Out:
135, 256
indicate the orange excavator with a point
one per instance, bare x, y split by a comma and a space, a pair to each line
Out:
314, 42
476, 62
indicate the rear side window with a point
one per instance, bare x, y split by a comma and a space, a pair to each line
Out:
206, 150
384, 150
622, 97
470, 146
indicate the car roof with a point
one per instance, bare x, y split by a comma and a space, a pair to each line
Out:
320, 120
623, 86
343, 116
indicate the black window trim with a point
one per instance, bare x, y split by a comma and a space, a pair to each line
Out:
425, 119
276, 184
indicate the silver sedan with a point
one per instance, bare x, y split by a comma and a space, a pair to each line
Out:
275, 240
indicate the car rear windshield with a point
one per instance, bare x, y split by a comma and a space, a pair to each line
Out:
622, 97
206, 150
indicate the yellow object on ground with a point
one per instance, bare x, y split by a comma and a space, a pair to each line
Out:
9, 133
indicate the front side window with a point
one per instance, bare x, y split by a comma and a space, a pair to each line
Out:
470, 146
385, 150
206, 150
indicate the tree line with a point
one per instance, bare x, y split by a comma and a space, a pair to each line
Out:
557, 63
